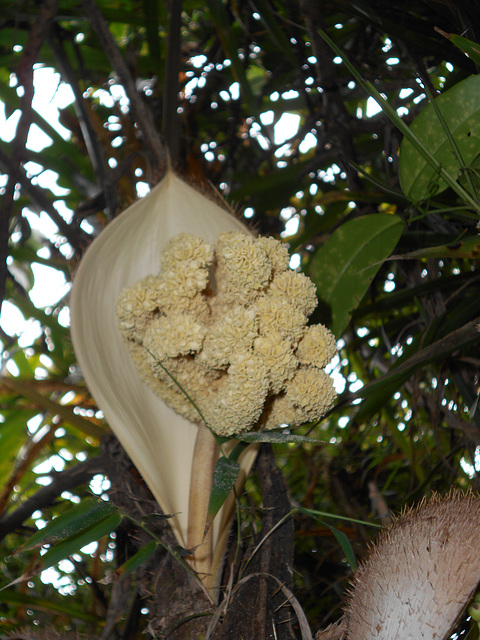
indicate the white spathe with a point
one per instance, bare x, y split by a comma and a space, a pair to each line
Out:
159, 441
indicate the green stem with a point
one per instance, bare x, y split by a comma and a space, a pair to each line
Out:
325, 514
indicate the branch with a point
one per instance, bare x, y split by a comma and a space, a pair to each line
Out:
172, 69
140, 112
92, 143
36, 38
45, 497
75, 235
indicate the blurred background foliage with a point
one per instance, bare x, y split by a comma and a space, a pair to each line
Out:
249, 97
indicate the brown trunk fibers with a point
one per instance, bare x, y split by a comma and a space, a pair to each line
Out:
253, 607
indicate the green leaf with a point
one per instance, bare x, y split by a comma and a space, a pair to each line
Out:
344, 542
24, 364
225, 475
25, 389
257, 78
132, 563
421, 148
336, 516
274, 437
73, 544
460, 108
45, 604
466, 248
347, 262
80, 532
12, 438
74, 521
472, 49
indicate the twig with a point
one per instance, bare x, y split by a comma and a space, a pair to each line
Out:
36, 38
92, 143
172, 68
72, 232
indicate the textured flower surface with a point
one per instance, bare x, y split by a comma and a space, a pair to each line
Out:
227, 340
162, 443
421, 574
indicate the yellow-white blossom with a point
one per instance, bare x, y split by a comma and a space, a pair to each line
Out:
277, 254
232, 332
317, 346
243, 268
307, 397
164, 445
277, 315
176, 334
239, 399
278, 359
242, 354
296, 289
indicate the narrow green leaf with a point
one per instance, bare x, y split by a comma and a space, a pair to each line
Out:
472, 49
25, 389
132, 563
460, 108
73, 544
225, 475
13, 435
51, 606
275, 437
24, 365
74, 521
344, 542
335, 516
347, 262
466, 248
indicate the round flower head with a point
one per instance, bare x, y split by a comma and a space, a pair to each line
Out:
277, 254
190, 251
228, 325
295, 288
174, 335
232, 332
276, 315
243, 267
136, 306
317, 347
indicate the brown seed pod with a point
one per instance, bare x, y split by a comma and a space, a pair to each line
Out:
420, 575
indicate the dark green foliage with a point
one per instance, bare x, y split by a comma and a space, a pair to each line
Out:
395, 262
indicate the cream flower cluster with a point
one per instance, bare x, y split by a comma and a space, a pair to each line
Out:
224, 329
